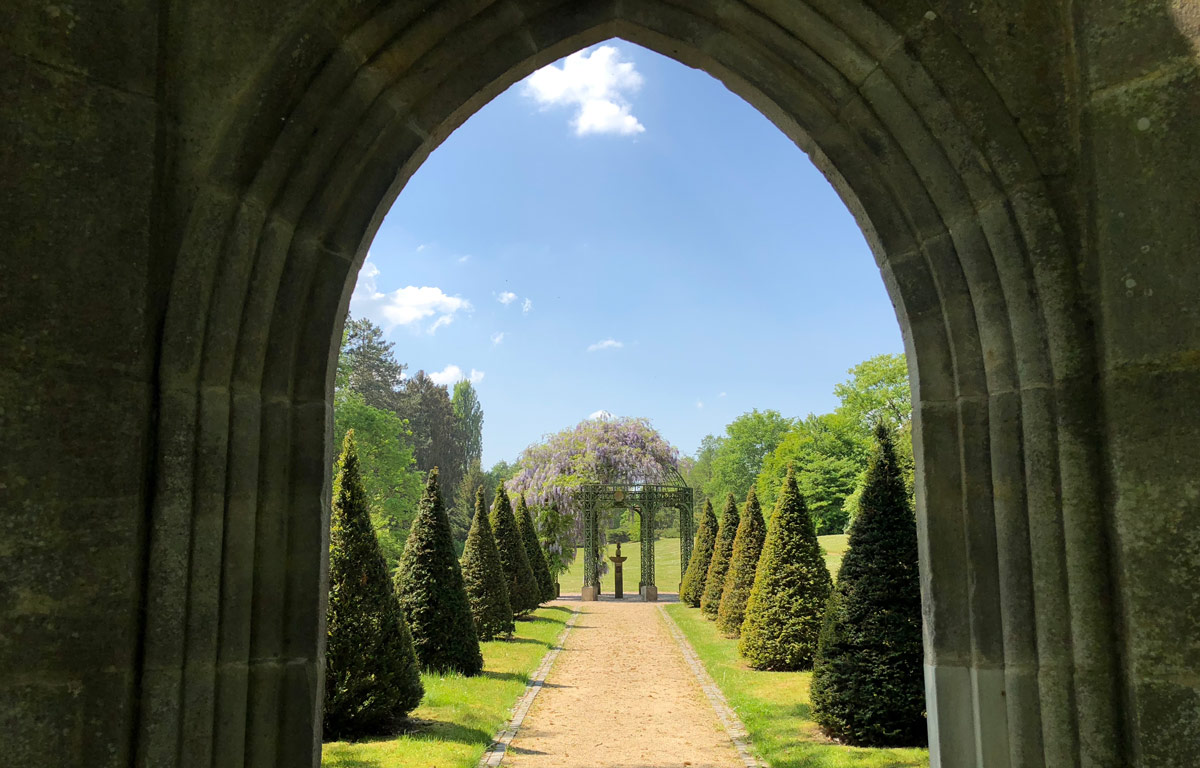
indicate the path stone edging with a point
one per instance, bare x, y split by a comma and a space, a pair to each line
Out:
499, 746
729, 720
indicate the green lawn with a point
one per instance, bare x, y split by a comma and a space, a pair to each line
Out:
775, 707
666, 565
458, 716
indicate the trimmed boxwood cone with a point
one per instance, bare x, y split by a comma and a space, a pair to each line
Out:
429, 583
533, 550
867, 686
743, 564
523, 592
702, 553
484, 577
372, 680
714, 581
791, 588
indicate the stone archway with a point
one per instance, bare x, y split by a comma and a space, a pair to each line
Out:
976, 146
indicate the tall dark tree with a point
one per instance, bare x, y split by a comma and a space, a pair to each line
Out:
523, 590
791, 588
743, 564
367, 364
435, 434
714, 581
484, 577
372, 680
867, 685
429, 583
702, 553
533, 550
468, 414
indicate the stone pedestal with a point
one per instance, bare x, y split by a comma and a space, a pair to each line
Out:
589, 594
618, 575
649, 593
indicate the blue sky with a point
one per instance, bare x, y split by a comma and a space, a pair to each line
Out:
622, 233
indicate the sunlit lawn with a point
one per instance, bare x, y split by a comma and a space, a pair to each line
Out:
666, 565
459, 716
775, 707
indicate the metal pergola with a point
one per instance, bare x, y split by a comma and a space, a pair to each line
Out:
645, 495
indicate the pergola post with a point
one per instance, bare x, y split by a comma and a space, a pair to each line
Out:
591, 552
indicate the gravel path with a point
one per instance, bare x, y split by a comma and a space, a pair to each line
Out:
620, 694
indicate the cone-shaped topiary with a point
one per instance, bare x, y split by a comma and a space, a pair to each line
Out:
523, 591
533, 551
484, 577
714, 581
743, 564
372, 680
429, 583
791, 588
867, 685
706, 538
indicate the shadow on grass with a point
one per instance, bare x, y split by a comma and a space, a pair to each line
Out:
528, 640
351, 762
443, 731
521, 678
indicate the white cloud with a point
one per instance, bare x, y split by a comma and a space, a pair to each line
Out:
508, 297
721, 395
452, 374
498, 337
464, 258
597, 84
408, 306
527, 306
606, 344
422, 247
700, 405
602, 415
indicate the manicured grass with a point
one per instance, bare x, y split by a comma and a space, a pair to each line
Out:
666, 565
835, 548
458, 716
775, 707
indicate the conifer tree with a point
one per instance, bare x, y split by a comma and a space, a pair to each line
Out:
533, 550
743, 564
484, 577
692, 588
714, 581
791, 588
372, 680
429, 583
522, 587
867, 685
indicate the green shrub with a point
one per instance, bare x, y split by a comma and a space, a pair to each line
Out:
523, 592
693, 579
791, 588
429, 583
483, 577
372, 680
743, 564
867, 685
533, 551
714, 580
